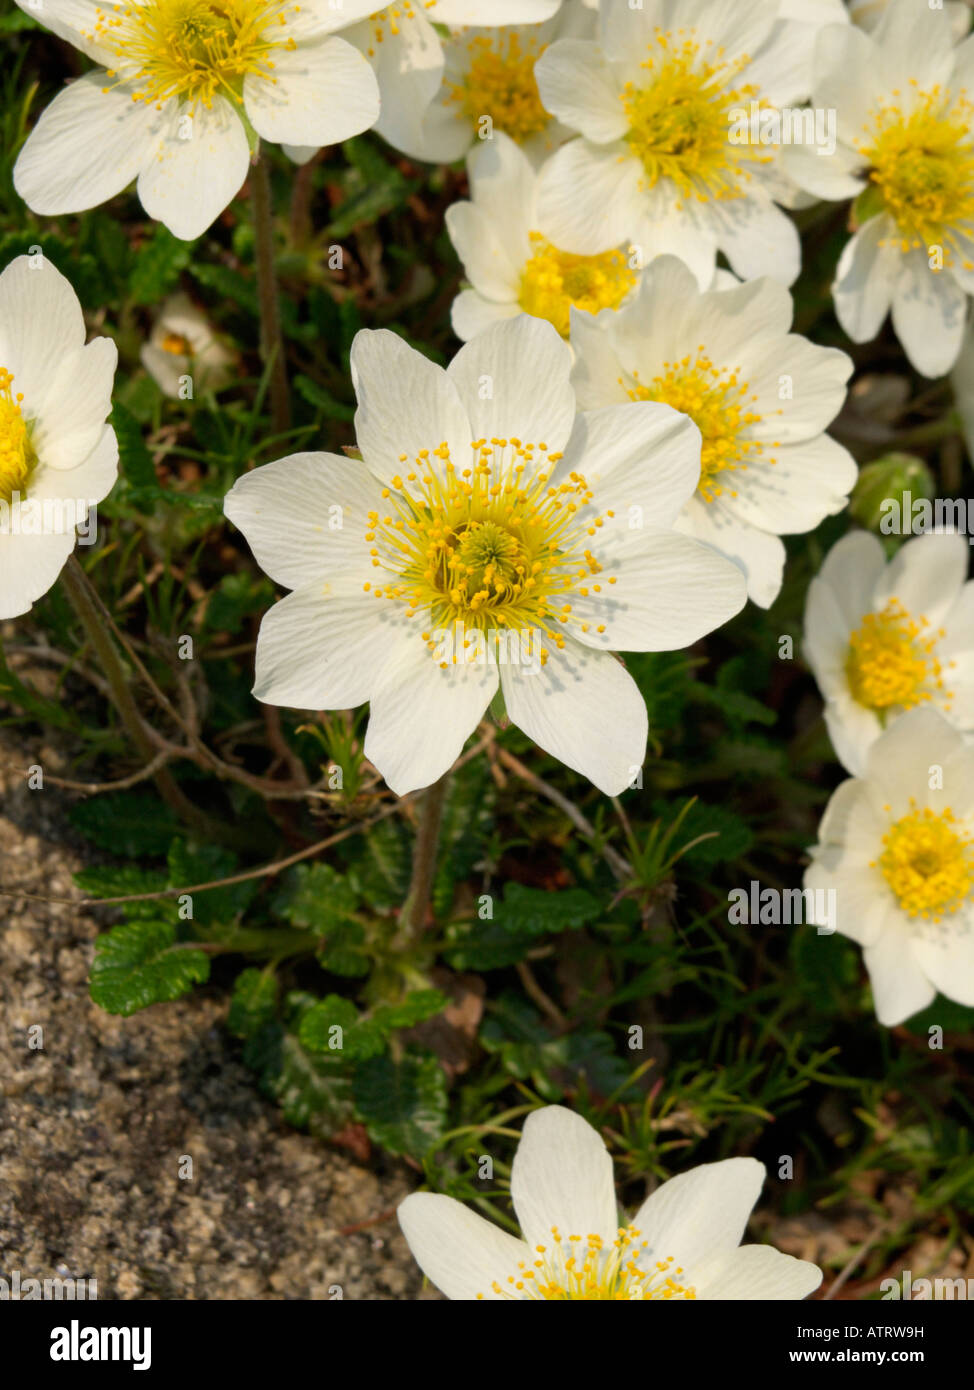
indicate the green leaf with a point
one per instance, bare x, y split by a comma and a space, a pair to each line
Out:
403, 1104
322, 400
420, 1005
135, 460
158, 265
334, 1026
733, 836
464, 832
253, 1003
534, 911
318, 899
131, 824
381, 871
203, 864
138, 964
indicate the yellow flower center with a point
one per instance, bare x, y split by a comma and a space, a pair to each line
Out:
587, 1268
177, 344
194, 50
718, 403
500, 83
16, 455
923, 169
892, 660
552, 281
928, 862
487, 546
679, 119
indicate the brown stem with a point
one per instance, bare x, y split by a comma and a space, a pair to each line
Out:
415, 910
271, 341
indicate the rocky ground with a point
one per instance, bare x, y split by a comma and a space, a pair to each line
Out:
95, 1127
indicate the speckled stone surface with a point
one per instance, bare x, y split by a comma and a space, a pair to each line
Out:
94, 1127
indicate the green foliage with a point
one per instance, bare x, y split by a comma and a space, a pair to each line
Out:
141, 963
404, 1103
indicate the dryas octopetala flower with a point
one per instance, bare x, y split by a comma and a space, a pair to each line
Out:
423, 106
58, 457
511, 267
684, 1242
761, 397
905, 152
182, 91
662, 102
183, 351
883, 638
897, 847
489, 536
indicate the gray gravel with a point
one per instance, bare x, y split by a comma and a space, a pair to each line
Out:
93, 1128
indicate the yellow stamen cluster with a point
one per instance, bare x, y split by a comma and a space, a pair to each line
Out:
492, 545
16, 455
928, 861
717, 402
552, 281
587, 1268
500, 83
892, 660
678, 118
177, 344
391, 20
194, 50
923, 169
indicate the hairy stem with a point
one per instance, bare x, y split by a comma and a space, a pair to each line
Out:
415, 910
271, 341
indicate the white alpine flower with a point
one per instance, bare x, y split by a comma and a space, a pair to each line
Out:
183, 344
511, 267
897, 848
656, 101
760, 396
882, 638
489, 538
962, 381
58, 458
905, 151
432, 97
683, 1243
182, 90
868, 13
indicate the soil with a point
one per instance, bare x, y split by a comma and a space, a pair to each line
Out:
97, 1124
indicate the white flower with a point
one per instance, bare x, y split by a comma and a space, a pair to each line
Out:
684, 1242
962, 381
897, 846
655, 101
57, 455
760, 396
881, 638
511, 267
182, 343
182, 86
436, 91
868, 13
905, 143
489, 537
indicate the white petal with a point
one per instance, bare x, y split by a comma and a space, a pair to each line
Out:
667, 595
758, 239
589, 197
40, 319
852, 729
926, 575
287, 510
900, 988
29, 565
852, 895
327, 645
638, 455
759, 556
805, 483
756, 1273
578, 87
71, 417
188, 182
324, 93
406, 404
898, 762
87, 146
946, 957
864, 280
852, 570
562, 1177
699, 1213
513, 380
485, 258
471, 314
563, 708
457, 1250
929, 312
421, 715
